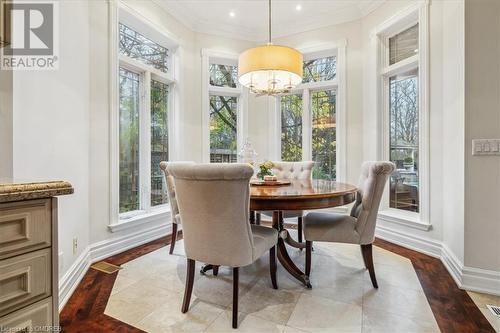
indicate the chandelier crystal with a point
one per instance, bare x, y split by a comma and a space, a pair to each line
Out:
270, 69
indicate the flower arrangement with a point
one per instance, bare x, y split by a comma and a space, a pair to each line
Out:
265, 169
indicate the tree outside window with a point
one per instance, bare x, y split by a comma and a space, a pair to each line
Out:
223, 129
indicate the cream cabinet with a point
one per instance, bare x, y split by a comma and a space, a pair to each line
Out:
28, 256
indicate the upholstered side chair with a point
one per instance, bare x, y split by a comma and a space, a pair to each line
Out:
214, 202
172, 200
359, 226
294, 171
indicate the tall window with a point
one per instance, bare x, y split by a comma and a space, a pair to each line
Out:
222, 121
159, 139
291, 128
403, 91
403, 121
223, 128
129, 140
324, 138
402, 62
308, 119
144, 84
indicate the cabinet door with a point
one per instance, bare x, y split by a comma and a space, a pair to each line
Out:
34, 318
24, 226
24, 279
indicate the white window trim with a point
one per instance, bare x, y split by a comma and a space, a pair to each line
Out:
418, 12
120, 12
213, 56
339, 85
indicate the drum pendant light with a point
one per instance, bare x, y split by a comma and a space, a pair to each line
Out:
270, 69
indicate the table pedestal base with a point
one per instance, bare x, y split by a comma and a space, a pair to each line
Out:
205, 268
283, 256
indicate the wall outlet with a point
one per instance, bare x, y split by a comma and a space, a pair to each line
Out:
484, 147
75, 245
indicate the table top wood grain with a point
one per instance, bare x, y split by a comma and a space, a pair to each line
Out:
302, 194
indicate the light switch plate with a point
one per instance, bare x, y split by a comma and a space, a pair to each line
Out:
484, 147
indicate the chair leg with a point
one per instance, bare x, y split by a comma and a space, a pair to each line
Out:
189, 285
235, 296
257, 218
308, 257
252, 217
366, 250
272, 266
299, 229
215, 270
174, 238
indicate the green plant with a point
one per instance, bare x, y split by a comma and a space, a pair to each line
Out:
265, 169
408, 160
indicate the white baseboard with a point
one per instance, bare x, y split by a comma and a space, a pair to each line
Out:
427, 246
467, 278
72, 277
109, 247
452, 263
481, 280
101, 250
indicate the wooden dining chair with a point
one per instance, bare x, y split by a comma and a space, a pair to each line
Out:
359, 226
214, 202
294, 171
172, 200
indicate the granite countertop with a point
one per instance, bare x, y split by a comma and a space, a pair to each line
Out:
17, 191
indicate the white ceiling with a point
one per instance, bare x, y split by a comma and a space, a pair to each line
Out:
250, 16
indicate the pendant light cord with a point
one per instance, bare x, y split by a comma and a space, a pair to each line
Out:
269, 42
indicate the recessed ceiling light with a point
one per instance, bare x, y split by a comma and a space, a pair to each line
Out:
298, 7
232, 14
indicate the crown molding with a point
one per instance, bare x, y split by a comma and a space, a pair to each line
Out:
198, 24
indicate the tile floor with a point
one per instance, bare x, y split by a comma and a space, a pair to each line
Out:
148, 294
481, 301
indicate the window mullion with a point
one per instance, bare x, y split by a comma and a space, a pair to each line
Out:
145, 140
306, 126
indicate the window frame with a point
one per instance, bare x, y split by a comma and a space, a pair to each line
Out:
241, 93
417, 13
338, 84
121, 13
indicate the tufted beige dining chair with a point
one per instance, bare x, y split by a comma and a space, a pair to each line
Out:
359, 226
214, 202
172, 200
294, 171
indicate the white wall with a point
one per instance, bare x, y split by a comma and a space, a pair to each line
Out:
51, 126
482, 121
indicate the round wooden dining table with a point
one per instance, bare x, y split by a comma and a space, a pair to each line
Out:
298, 195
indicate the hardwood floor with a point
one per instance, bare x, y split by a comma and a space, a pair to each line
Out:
84, 311
452, 307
